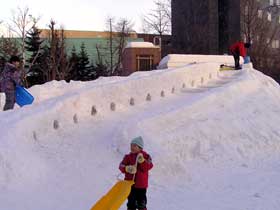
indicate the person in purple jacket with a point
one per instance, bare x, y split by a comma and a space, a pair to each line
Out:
11, 76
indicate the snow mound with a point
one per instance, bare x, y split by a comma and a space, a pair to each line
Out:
210, 148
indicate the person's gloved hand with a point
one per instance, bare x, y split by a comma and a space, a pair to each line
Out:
131, 169
140, 159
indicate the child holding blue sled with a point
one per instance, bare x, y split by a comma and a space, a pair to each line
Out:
10, 84
11, 77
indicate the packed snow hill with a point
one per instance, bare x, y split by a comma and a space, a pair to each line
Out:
214, 138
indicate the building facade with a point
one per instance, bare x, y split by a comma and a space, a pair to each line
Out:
211, 26
92, 39
140, 56
205, 26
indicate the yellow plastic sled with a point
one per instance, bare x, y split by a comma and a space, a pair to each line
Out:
115, 197
225, 67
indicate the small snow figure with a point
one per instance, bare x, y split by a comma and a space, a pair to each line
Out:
193, 83
93, 111
75, 119
149, 97
202, 80
55, 124
132, 102
113, 106
35, 136
136, 166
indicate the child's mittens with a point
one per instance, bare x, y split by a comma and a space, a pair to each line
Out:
140, 158
131, 169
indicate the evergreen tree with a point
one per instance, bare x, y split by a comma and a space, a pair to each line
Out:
83, 64
8, 47
33, 42
46, 59
64, 66
74, 61
35, 64
59, 66
2, 64
92, 73
101, 70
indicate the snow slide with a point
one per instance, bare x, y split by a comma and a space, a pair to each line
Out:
215, 142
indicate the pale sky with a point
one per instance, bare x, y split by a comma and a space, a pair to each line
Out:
82, 14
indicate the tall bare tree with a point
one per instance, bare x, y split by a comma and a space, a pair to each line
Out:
123, 28
159, 19
8, 46
59, 66
118, 33
21, 23
259, 26
110, 22
1, 27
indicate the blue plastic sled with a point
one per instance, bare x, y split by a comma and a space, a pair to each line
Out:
23, 97
247, 59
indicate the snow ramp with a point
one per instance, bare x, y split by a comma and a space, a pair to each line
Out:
214, 138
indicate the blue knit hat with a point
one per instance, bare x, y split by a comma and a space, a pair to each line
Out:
138, 141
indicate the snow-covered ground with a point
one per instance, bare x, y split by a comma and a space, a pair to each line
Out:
177, 60
215, 145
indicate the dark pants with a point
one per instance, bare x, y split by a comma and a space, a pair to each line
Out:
10, 100
137, 199
236, 57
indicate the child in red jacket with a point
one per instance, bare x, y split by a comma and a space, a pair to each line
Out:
238, 49
136, 166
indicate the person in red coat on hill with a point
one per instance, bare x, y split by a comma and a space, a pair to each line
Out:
136, 166
238, 49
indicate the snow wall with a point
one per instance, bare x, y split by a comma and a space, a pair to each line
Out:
102, 98
176, 60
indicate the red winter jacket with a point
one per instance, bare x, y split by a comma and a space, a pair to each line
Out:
141, 177
238, 47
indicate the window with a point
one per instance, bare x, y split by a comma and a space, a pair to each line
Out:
271, 2
269, 16
144, 62
246, 10
267, 41
244, 38
275, 44
260, 13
